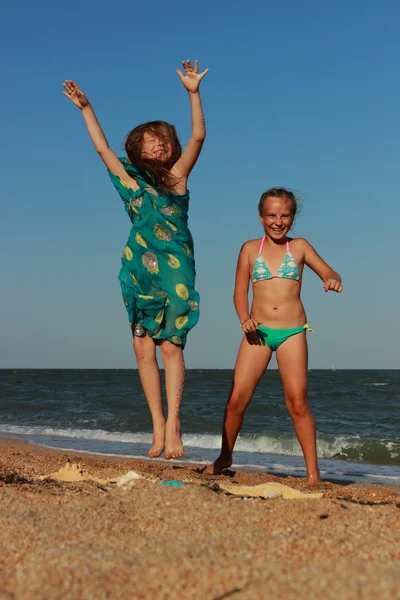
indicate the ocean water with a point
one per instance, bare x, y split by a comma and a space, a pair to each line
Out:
104, 411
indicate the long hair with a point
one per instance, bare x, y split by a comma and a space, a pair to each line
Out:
159, 171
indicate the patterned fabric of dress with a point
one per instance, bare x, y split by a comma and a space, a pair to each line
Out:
158, 270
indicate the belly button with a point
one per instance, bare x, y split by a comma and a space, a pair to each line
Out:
275, 308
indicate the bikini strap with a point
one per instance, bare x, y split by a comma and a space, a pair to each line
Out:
261, 245
287, 246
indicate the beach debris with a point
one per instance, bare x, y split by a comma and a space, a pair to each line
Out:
268, 490
73, 473
128, 479
173, 482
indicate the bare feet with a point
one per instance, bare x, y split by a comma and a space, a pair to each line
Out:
222, 462
158, 445
173, 441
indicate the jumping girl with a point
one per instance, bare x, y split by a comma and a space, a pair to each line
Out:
158, 270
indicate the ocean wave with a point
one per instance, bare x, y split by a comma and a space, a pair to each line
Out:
85, 434
368, 450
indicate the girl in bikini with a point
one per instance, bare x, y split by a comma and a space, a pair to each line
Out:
158, 271
276, 322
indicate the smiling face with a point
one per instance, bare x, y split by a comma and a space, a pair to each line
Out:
154, 148
277, 217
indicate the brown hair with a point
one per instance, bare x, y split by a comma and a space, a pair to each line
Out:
279, 193
160, 172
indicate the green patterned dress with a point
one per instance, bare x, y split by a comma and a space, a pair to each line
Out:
158, 271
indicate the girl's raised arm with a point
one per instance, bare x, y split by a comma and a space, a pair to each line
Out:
191, 81
110, 159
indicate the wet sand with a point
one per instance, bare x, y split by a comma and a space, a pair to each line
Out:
102, 538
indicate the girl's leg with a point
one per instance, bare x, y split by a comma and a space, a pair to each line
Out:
145, 350
174, 364
252, 360
292, 357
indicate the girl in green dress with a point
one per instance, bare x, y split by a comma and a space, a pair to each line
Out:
158, 271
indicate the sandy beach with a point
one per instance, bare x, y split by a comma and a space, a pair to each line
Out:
113, 535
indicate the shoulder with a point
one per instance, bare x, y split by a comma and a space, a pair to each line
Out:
126, 163
251, 244
299, 243
131, 169
250, 247
127, 166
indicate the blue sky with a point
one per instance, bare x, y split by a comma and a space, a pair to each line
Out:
300, 94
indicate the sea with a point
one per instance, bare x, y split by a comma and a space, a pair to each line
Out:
105, 412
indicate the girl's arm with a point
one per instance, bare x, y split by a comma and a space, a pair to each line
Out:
110, 159
241, 294
191, 81
332, 280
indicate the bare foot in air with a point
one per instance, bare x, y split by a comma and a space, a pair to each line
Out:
173, 441
222, 463
158, 444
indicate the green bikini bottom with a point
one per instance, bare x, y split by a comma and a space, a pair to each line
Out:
275, 337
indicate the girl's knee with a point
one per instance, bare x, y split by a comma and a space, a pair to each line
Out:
237, 402
297, 405
144, 348
169, 350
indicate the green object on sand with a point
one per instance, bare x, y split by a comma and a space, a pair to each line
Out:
173, 482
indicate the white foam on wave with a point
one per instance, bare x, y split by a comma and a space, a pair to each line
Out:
86, 434
329, 469
259, 444
288, 445
380, 476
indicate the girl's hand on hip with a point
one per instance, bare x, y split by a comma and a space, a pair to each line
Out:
191, 79
250, 325
75, 94
335, 285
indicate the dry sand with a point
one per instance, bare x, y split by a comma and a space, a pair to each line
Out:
103, 537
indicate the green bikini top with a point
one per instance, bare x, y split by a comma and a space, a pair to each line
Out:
287, 270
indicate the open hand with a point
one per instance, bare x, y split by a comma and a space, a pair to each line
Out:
191, 79
333, 284
75, 94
